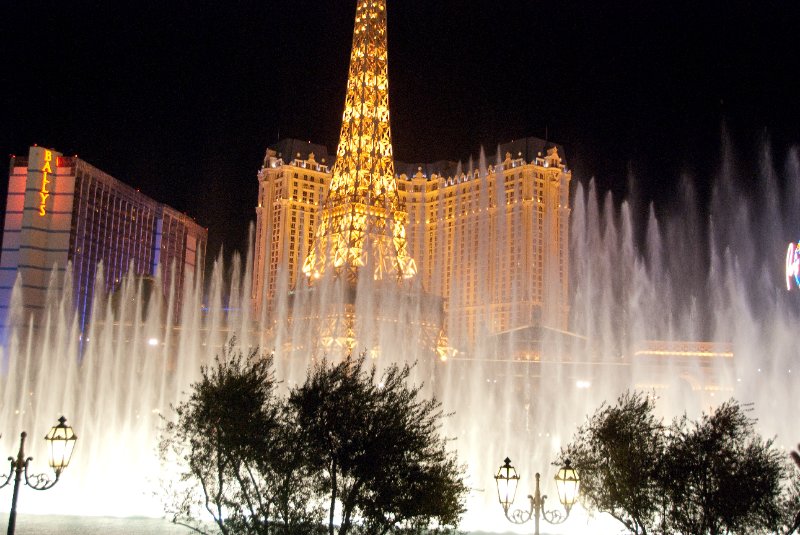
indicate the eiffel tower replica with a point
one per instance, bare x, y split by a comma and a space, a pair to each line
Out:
360, 249
362, 225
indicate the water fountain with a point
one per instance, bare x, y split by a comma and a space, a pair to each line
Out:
634, 279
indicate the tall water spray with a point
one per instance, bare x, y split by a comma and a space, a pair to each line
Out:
695, 273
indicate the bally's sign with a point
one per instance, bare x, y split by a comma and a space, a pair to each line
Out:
43, 162
44, 192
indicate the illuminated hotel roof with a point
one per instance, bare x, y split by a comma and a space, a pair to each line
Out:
528, 148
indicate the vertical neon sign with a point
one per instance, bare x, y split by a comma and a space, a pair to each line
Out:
44, 193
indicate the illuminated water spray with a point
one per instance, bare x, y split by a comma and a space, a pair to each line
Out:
691, 305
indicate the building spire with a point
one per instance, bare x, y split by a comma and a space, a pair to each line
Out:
362, 222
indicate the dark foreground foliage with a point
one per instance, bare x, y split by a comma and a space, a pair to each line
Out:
377, 448
348, 451
712, 476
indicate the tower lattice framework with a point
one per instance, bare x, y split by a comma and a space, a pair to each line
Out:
362, 222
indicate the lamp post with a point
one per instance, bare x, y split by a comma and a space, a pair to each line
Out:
567, 483
61, 440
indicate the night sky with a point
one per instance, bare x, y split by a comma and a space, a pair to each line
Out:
181, 98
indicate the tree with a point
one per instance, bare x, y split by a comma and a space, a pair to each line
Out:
721, 477
616, 453
384, 466
791, 503
237, 457
710, 477
257, 463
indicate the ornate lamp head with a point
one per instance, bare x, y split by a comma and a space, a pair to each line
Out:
507, 480
567, 482
62, 441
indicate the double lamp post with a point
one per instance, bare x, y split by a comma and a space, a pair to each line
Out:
567, 483
61, 441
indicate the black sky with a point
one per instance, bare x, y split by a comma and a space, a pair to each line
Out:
181, 98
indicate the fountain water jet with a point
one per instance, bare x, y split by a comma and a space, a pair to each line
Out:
668, 278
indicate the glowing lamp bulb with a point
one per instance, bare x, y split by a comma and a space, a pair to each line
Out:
61, 439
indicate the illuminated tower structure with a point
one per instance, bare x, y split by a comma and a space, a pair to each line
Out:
490, 241
362, 223
358, 250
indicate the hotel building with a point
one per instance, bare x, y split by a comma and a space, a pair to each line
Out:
292, 184
492, 242
61, 211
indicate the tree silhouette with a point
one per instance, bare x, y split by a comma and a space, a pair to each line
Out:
360, 446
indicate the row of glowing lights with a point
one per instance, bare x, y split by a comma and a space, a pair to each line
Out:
580, 384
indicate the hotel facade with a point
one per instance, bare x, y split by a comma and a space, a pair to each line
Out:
492, 241
64, 215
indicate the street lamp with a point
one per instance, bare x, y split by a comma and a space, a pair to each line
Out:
567, 482
61, 441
